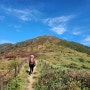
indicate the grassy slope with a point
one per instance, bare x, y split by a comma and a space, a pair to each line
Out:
60, 64
62, 68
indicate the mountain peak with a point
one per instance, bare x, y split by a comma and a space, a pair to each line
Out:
43, 41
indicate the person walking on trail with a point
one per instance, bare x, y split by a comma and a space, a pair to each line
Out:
32, 63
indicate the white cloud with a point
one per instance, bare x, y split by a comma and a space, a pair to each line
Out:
76, 32
25, 18
86, 41
58, 24
57, 20
59, 29
23, 14
5, 41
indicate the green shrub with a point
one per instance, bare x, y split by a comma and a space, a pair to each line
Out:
81, 60
73, 65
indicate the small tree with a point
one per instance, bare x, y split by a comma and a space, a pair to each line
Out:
14, 65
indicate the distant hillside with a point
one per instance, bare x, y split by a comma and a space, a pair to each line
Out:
42, 40
5, 47
76, 46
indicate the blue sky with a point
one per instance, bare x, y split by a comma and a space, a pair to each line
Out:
21, 20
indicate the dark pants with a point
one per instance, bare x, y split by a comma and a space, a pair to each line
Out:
31, 65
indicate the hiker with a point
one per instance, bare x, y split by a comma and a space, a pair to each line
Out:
32, 63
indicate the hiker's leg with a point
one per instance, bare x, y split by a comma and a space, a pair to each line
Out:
30, 70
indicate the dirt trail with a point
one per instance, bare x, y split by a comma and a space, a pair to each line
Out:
31, 80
